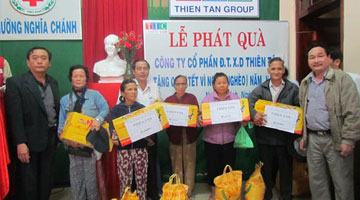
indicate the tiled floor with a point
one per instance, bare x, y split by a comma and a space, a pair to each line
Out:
201, 192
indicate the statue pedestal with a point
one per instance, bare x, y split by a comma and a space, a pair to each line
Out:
106, 167
111, 79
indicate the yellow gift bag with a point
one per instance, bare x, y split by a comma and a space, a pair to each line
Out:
228, 185
175, 191
129, 196
255, 186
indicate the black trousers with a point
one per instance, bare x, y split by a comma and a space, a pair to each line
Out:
217, 157
276, 158
34, 180
152, 189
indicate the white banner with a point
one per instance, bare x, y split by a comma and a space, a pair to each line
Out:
199, 49
214, 8
40, 20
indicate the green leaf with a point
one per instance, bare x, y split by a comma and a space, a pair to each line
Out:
224, 195
248, 189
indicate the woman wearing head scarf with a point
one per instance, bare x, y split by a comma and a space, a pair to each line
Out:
82, 158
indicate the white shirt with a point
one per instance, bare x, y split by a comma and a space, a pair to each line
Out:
275, 91
148, 96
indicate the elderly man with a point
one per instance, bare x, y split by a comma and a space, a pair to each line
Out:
273, 149
331, 124
148, 93
32, 111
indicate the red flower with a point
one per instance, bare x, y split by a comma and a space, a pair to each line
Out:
132, 34
132, 39
128, 45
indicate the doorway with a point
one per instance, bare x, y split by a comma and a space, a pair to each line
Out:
316, 20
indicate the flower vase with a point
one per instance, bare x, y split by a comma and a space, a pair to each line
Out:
129, 74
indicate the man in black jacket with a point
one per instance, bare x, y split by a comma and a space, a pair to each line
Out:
32, 113
273, 150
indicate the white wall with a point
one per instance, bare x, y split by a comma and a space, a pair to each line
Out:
287, 13
352, 36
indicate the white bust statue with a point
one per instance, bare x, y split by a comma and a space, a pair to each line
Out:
113, 68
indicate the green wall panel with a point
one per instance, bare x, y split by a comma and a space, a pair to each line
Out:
269, 10
64, 55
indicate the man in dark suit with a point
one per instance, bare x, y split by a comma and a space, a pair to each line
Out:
32, 113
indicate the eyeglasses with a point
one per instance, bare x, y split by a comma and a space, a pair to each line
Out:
178, 84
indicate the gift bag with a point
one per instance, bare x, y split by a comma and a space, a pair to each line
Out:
242, 139
174, 191
228, 185
246, 158
255, 186
129, 196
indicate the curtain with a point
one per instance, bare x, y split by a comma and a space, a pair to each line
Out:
4, 154
101, 18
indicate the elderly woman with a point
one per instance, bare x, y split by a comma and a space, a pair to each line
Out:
82, 159
182, 146
133, 157
219, 138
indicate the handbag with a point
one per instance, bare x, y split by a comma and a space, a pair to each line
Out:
174, 191
228, 185
242, 139
128, 195
255, 186
246, 158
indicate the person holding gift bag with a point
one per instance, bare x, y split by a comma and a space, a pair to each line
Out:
182, 146
82, 158
135, 155
219, 138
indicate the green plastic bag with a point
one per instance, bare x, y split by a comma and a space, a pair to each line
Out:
242, 139
246, 158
